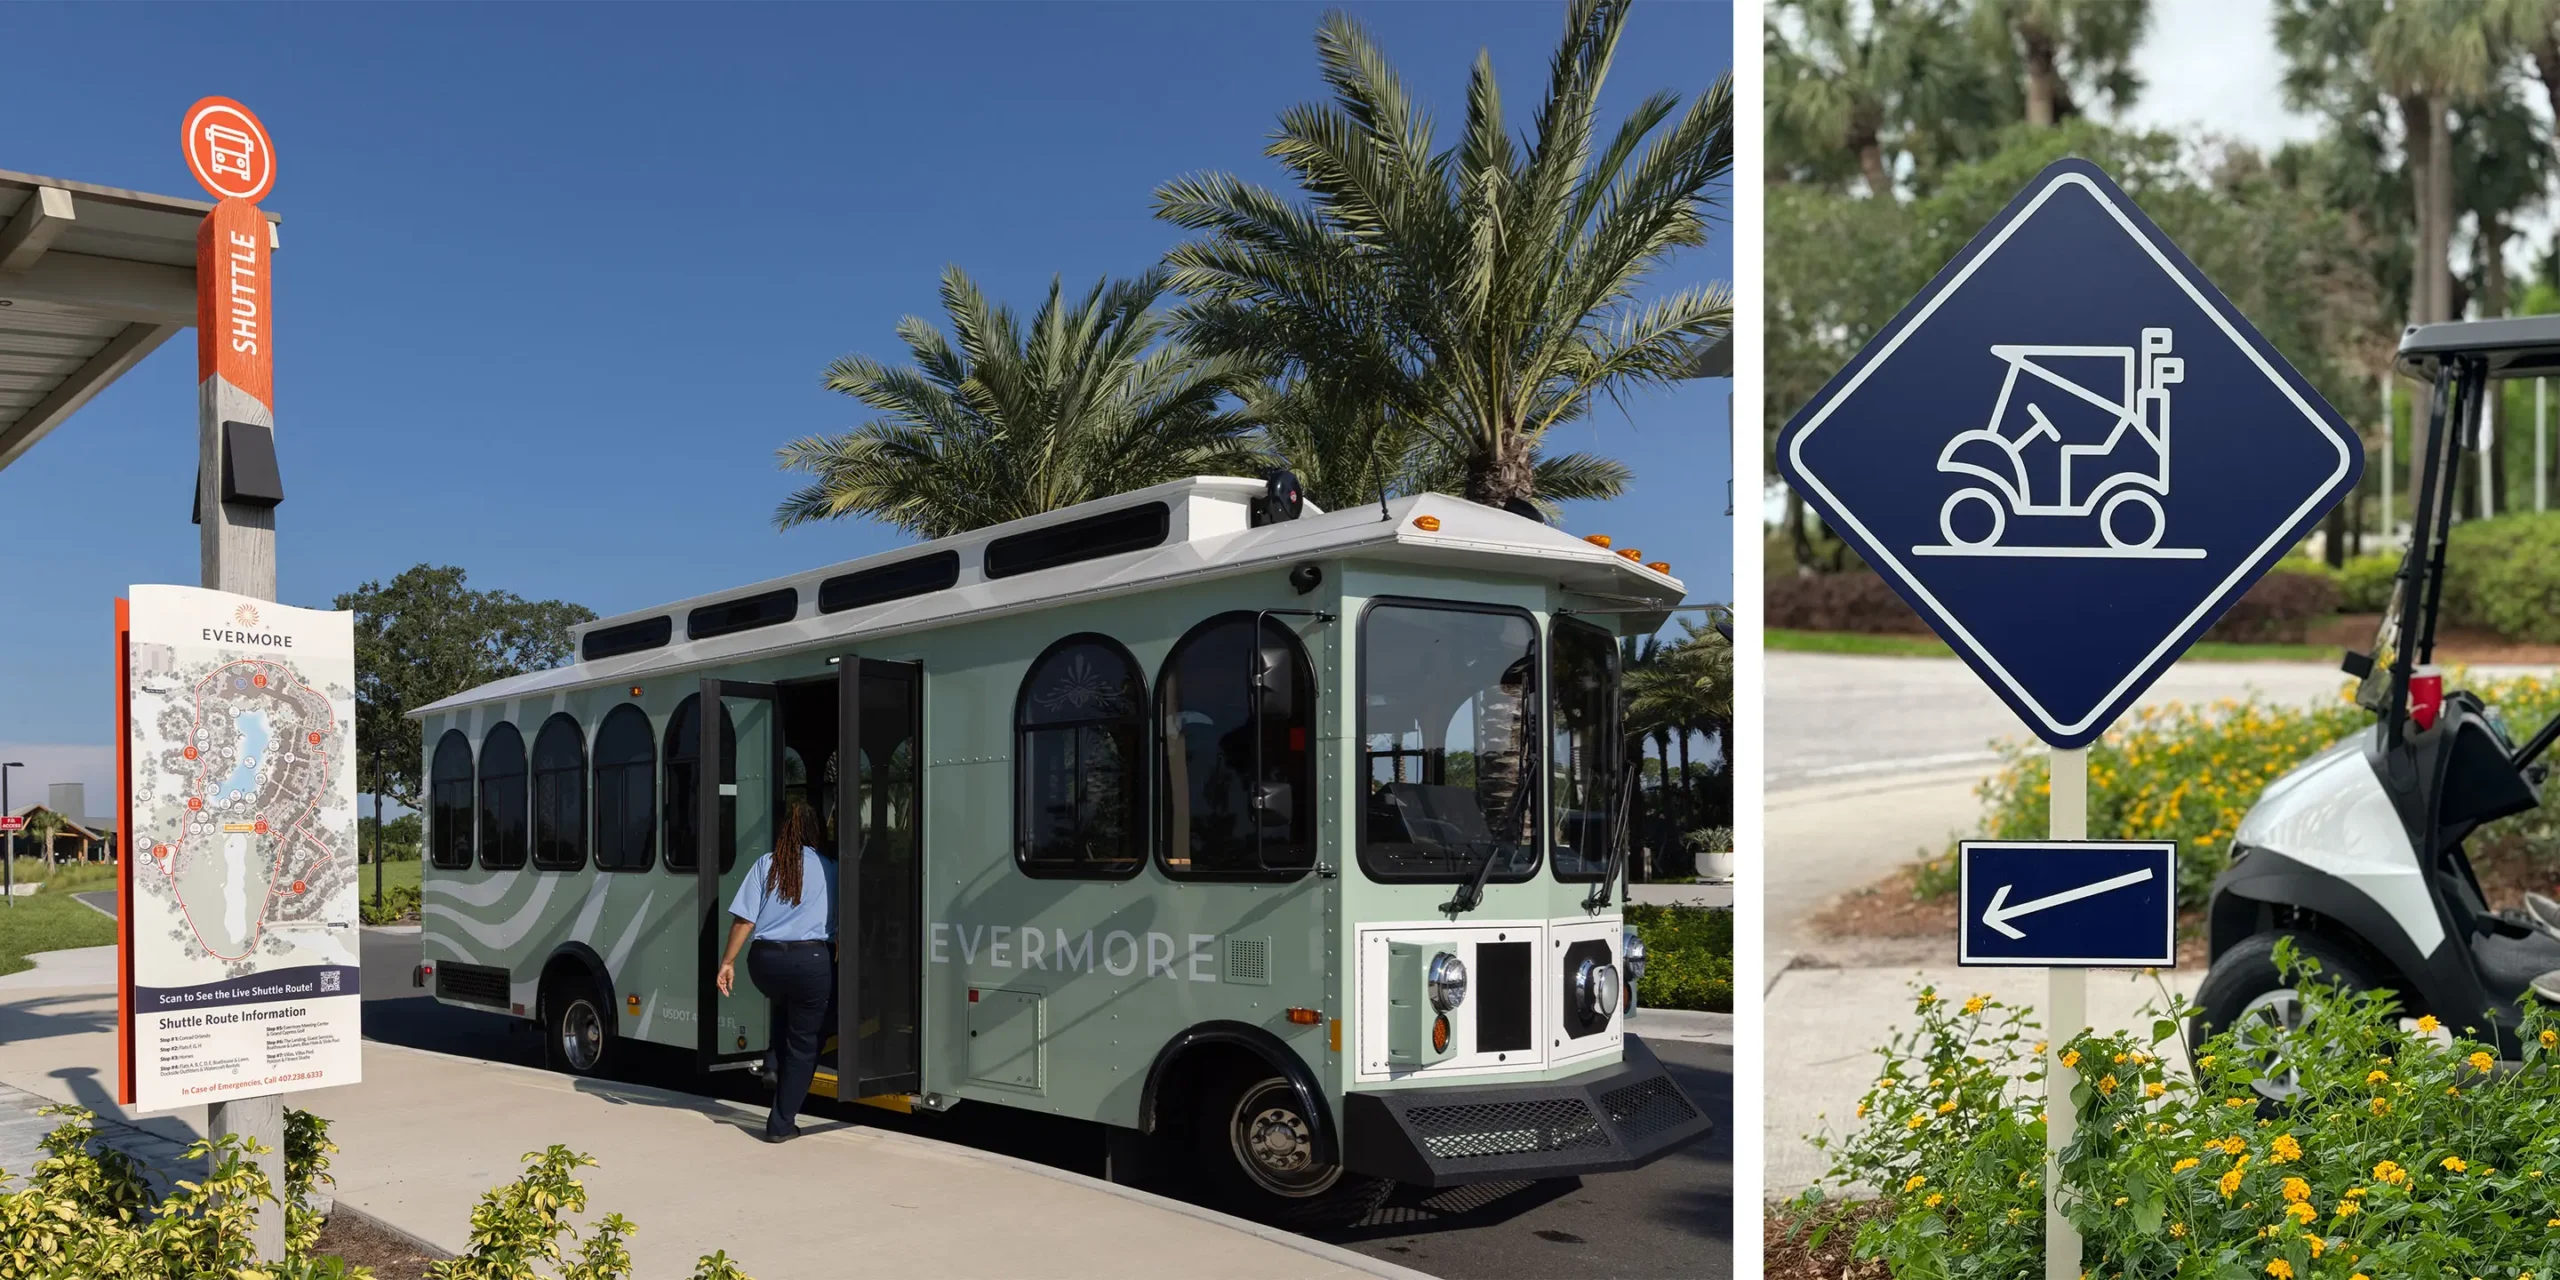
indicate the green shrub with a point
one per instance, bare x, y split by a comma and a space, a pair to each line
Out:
526, 1222
2401, 1156
2280, 607
2188, 772
1688, 958
2503, 575
399, 902
2364, 585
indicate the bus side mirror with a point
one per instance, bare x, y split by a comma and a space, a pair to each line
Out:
1275, 691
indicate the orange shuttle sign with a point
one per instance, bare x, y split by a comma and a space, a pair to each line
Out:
231, 155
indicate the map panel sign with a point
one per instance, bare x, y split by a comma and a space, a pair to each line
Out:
240, 937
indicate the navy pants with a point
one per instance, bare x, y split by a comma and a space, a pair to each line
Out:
799, 979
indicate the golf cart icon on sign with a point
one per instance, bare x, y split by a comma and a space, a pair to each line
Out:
2031, 468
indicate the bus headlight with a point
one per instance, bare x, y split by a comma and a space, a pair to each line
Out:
1448, 982
1596, 986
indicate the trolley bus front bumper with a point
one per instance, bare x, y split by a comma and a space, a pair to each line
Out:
1622, 1116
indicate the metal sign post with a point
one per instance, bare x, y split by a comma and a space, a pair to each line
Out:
230, 154
2071, 455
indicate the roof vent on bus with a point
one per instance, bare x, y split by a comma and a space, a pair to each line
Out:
628, 637
1109, 534
746, 613
920, 576
1282, 498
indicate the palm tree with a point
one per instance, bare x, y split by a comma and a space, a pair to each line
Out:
1090, 400
2058, 42
1496, 280
43, 826
1846, 76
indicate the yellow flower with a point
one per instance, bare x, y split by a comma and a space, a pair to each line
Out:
2154, 1089
1934, 1200
2453, 1164
2318, 1245
2184, 1165
1918, 1180
1919, 1120
1975, 1004
1886, 1083
2230, 1184
2237, 1102
2301, 1213
2390, 1172
2233, 1145
2205, 1062
2550, 1038
2381, 1106
2296, 1190
1862, 1111
2285, 1149
2280, 1269
2071, 1057
2427, 1025
2376, 1076
2107, 1084
2040, 1047
1946, 1106
2346, 1208
2481, 1061
2178, 1230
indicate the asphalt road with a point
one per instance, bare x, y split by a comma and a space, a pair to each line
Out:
1673, 1218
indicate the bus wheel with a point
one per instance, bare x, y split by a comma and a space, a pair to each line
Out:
575, 1030
1257, 1142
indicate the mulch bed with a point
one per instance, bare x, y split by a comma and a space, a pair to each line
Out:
1783, 1255
360, 1242
2453, 647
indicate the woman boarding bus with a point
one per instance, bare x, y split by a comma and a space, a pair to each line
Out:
1281, 841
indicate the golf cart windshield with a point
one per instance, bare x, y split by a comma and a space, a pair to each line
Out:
2458, 360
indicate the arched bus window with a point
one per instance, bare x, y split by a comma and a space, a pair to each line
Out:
503, 826
560, 794
626, 790
1079, 763
1238, 779
449, 802
684, 785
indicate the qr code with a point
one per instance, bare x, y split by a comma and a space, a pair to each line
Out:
328, 980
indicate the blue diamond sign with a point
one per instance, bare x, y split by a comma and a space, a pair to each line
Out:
2071, 454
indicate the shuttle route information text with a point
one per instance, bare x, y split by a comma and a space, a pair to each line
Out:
242, 960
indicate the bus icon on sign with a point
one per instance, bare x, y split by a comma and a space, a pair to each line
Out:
227, 152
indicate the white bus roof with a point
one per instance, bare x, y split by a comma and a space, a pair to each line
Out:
1209, 534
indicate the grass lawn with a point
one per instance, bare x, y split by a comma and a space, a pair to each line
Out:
1782, 640
395, 877
52, 920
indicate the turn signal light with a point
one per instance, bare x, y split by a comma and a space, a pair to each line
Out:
632, 1003
1440, 1034
1660, 566
1600, 540
635, 691
2426, 696
1428, 524
1632, 554
1305, 1017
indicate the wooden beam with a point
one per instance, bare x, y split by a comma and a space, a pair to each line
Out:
134, 292
45, 215
121, 353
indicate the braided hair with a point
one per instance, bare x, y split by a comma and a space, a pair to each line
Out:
799, 828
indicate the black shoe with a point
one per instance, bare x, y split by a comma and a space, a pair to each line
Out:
785, 1136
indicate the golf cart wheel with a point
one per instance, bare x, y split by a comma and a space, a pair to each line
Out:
2243, 987
2155, 521
1956, 502
1258, 1145
577, 1026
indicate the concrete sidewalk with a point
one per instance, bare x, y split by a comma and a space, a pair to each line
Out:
425, 1134
1824, 1026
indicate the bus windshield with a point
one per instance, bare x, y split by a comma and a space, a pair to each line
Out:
1449, 740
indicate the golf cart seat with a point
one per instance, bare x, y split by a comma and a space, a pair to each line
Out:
2509, 964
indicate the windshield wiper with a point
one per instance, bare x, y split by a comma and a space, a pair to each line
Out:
1471, 895
1618, 841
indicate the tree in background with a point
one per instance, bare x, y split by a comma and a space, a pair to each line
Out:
1851, 84
996, 422
1500, 276
2067, 51
423, 636
1676, 692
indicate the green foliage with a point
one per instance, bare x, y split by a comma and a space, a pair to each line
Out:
306, 1166
1431, 313
2364, 584
399, 902
1688, 957
402, 838
522, 1231
2405, 1153
86, 1211
999, 421
2188, 772
2503, 575
425, 635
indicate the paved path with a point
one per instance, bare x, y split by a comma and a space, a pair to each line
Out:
425, 1134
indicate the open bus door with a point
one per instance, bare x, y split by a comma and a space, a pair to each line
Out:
879, 926
737, 810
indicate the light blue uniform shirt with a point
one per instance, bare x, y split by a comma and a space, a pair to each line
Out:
812, 919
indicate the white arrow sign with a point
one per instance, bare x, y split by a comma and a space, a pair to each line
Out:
2000, 913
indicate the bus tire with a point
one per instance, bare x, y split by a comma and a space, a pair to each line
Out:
1258, 1148
577, 1025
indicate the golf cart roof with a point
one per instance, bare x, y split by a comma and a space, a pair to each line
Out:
2517, 347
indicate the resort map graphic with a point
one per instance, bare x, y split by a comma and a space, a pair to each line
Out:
243, 884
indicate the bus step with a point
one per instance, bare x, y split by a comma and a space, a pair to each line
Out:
824, 1086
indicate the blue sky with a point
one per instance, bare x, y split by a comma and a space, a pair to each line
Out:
557, 280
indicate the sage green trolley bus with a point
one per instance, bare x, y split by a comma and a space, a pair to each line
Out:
1285, 840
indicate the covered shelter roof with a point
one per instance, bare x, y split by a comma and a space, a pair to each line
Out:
92, 279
